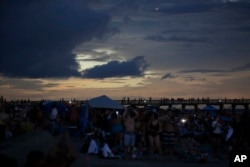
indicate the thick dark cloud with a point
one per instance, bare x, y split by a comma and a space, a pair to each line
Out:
37, 37
134, 67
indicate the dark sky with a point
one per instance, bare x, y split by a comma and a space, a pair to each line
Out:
140, 43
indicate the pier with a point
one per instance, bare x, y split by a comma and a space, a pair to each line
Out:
170, 103
221, 103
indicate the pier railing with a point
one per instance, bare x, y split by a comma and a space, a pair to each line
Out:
177, 101
185, 101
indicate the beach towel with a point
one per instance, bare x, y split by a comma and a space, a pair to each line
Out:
229, 133
106, 151
93, 148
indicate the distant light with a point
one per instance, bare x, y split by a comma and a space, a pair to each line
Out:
70, 102
156, 9
183, 120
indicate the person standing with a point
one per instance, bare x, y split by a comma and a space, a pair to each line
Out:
169, 138
116, 128
129, 136
217, 136
153, 131
54, 119
54, 113
4, 122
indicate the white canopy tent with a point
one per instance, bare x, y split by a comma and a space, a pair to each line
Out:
104, 102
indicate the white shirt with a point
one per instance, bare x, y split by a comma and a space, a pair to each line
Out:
53, 114
217, 127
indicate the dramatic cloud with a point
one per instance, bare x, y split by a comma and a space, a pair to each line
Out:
37, 37
134, 67
57, 48
168, 75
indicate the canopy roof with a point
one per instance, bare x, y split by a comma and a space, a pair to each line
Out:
61, 106
209, 108
104, 102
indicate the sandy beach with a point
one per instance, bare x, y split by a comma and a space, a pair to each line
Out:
19, 147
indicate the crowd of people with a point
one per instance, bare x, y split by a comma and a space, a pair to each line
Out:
17, 119
135, 132
176, 134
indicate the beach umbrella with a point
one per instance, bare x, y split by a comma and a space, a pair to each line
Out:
209, 108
